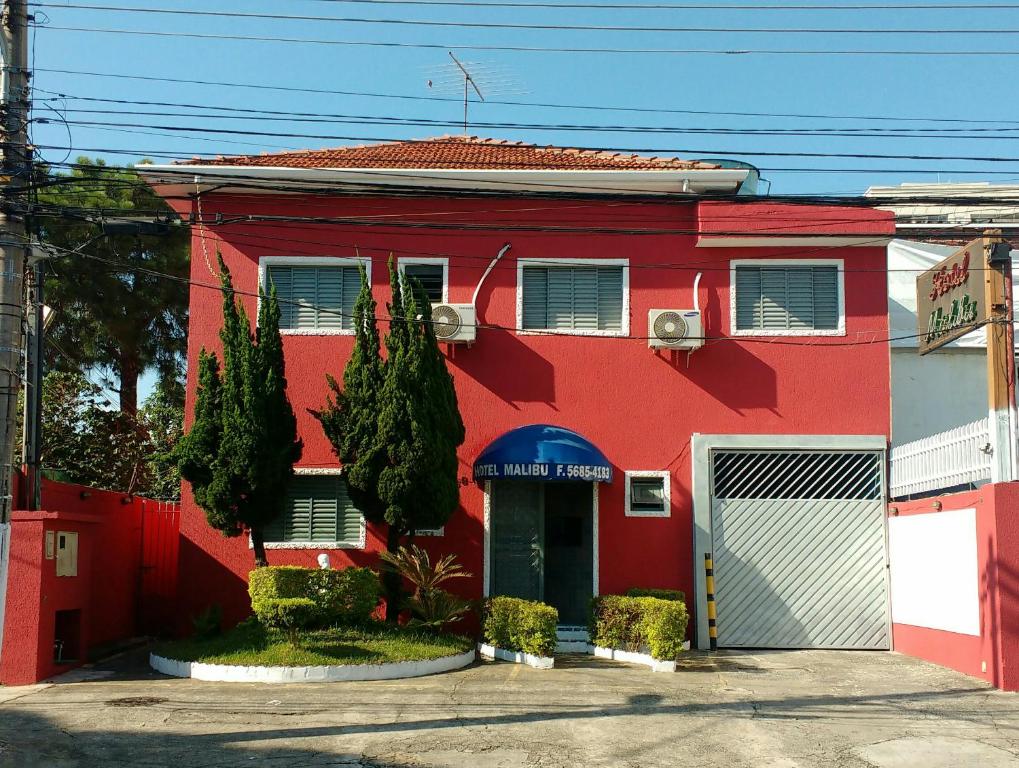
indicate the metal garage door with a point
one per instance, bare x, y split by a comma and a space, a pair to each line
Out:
799, 549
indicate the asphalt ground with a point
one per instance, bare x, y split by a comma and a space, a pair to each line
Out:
774, 709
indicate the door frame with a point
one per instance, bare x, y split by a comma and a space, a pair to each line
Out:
487, 555
702, 449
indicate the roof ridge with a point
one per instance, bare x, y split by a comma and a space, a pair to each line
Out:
452, 151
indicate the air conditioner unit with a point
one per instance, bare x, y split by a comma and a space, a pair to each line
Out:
675, 329
454, 323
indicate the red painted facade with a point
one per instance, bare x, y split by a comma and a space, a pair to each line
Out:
125, 545
638, 406
993, 655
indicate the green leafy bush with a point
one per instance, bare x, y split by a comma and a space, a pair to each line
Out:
208, 623
288, 615
638, 624
521, 625
344, 596
347, 595
661, 594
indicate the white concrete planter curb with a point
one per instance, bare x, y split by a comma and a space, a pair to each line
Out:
634, 658
518, 657
226, 673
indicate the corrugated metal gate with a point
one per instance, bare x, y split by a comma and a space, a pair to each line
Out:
799, 549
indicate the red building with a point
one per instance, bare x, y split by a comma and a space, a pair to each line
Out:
750, 420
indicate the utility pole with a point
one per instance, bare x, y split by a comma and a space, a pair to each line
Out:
16, 176
997, 264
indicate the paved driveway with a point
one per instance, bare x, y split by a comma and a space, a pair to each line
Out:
760, 710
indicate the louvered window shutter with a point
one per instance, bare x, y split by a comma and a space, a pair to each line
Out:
573, 298
318, 509
787, 298
313, 297
430, 276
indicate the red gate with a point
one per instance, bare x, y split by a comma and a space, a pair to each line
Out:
158, 577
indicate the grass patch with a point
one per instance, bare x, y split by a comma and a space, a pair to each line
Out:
250, 644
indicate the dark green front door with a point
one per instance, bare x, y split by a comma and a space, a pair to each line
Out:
542, 544
569, 550
517, 539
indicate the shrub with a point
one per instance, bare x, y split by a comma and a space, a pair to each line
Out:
521, 625
287, 614
639, 623
661, 594
344, 596
431, 607
208, 623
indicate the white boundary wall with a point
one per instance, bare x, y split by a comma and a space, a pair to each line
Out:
226, 673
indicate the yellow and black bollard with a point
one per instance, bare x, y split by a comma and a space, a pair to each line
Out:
709, 573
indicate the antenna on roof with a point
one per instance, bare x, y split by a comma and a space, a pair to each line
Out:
463, 76
468, 80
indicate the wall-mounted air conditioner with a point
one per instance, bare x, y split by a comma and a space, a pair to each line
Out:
454, 323
675, 329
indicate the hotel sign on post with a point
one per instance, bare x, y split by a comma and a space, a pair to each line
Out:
950, 298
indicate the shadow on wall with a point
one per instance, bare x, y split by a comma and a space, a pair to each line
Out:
749, 383
989, 587
212, 584
532, 379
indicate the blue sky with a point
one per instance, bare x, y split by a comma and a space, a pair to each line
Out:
937, 87
967, 88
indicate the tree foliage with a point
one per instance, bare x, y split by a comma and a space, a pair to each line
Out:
108, 314
239, 455
395, 425
87, 441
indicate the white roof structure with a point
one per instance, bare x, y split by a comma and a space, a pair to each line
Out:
906, 260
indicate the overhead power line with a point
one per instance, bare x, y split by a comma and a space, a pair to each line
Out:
817, 342
686, 6
533, 26
931, 52
711, 152
238, 113
295, 88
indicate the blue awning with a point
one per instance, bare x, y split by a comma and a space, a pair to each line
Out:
542, 452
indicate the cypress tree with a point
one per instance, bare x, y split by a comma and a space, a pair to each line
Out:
240, 452
351, 417
396, 425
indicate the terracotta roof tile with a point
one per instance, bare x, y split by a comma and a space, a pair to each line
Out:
458, 152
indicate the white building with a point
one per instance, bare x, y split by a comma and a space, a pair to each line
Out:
946, 390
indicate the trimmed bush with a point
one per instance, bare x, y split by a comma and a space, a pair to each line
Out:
661, 594
287, 614
345, 596
645, 624
521, 625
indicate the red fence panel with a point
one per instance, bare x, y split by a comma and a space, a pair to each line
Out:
157, 591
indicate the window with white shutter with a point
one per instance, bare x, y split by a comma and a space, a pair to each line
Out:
582, 297
318, 511
787, 298
315, 297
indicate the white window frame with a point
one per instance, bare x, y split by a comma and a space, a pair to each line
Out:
840, 283
666, 478
264, 262
429, 260
359, 544
624, 330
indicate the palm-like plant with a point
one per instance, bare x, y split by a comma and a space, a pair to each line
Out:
431, 607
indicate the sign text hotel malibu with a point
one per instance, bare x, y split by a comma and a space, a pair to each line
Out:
947, 303
592, 463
